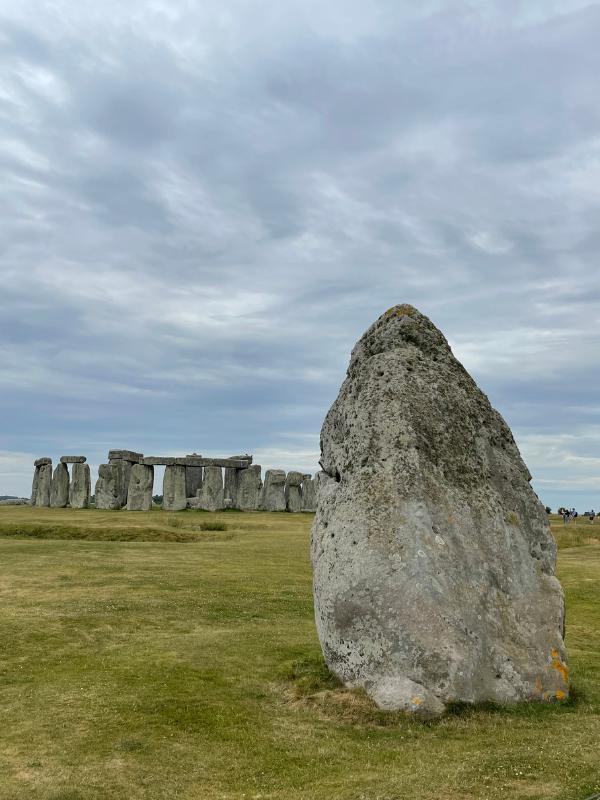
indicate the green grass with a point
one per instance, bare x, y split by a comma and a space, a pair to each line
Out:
137, 664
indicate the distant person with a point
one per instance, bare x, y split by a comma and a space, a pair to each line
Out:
592, 515
566, 515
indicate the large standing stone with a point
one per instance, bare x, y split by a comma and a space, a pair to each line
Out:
123, 476
59, 489
108, 489
44, 482
34, 485
141, 481
231, 487
193, 479
174, 496
433, 560
211, 493
309, 498
273, 491
249, 488
293, 491
79, 491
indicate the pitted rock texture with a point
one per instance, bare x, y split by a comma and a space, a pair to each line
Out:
141, 481
80, 487
432, 555
108, 487
249, 488
59, 489
273, 491
174, 495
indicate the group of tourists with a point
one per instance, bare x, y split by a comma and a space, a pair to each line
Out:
569, 513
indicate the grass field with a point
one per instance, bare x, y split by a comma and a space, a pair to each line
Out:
148, 656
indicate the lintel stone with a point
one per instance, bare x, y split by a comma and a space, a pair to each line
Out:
125, 455
73, 459
40, 462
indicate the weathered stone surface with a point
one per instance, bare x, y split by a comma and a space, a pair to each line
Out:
40, 462
159, 461
174, 496
44, 482
59, 489
293, 492
273, 491
309, 497
108, 489
73, 459
193, 478
125, 455
123, 476
211, 493
230, 486
433, 560
141, 481
80, 488
249, 488
16, 501
34, 485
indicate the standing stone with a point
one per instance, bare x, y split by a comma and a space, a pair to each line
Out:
293, 492
273, 491
193, 478
34, 485
79, 491
433, 559
309, 498
44, 482
141, 481
231, 486
108, 487
59, 489
123, 476
211, 493
174, 488
249, 488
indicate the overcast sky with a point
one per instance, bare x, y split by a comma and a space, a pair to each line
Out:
204, 205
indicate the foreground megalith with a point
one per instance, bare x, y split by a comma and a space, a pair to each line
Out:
174, 488
42, 485
59, 488
108, 491
141, 481
80, 487
249, 488
433, 559
211, 493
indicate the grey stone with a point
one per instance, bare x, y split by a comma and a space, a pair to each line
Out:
123, 476
141, 481
249, 488
34, 485
309, 497
16, 501
432, 556
108, 489
44, 482
273, 491
200, 461
40, 462
159, 461
80, 488
174, 489
59, 489
293, 492
193, 478
231, 486
73, 459
211, 493
125, 455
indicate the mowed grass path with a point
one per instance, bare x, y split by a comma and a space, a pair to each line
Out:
162, 669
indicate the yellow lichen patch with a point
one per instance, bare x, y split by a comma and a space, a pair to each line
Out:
416, 701
559, 666
404, 310
561, 695
538, 685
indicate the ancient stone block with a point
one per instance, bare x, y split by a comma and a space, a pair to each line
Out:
174, 495
230, 486
293, 492
125, 455
211, 493
309, 498
59, 488
433, 559
72, 459
34, 485
124, 473
40, 462
44, 482
159, 461
193, 478
249, 488
108, 489
273, 491
80, 488
141, 481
